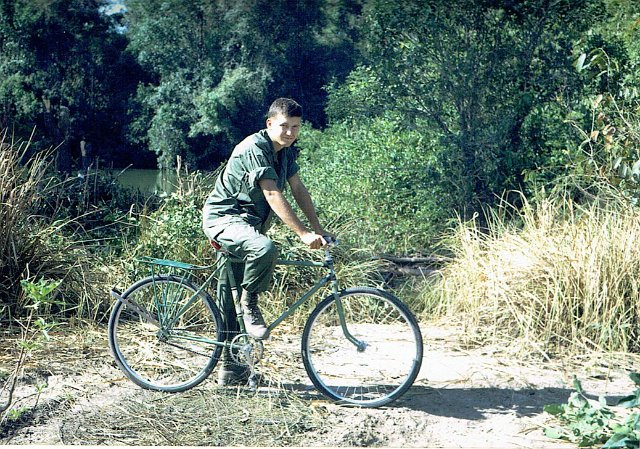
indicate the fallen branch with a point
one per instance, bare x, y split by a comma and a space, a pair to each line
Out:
408, 271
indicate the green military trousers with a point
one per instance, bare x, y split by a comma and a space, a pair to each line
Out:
254, 274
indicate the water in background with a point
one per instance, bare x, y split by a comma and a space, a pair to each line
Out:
146, 180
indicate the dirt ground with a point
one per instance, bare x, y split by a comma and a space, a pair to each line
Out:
463, 398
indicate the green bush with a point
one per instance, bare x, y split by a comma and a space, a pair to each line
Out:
174, 229
384, 180
588, 423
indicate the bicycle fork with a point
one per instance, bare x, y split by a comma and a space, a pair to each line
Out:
359, 344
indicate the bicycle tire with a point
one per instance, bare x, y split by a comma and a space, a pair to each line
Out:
165, 357
377, 375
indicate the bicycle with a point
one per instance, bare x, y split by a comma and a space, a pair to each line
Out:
361, 346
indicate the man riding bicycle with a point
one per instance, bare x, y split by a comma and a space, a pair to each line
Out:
237, 214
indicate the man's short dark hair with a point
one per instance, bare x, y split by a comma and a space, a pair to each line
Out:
286, 107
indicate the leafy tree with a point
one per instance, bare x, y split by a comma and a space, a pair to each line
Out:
622, 29
216, 64
17, 105
179, 45
604, 159
297, 44
66, 73
469, 75
599, 158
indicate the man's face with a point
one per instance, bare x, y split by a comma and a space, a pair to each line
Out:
283, 130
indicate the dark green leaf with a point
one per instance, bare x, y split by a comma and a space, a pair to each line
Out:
633, 400
554, 409
620, 440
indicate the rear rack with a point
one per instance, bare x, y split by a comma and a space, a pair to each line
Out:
172, 264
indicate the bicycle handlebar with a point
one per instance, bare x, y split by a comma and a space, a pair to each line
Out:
330, 241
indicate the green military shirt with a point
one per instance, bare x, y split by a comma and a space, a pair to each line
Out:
237, 196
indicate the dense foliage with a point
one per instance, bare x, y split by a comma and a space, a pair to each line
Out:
489, 89
64, 70
216, 64
478, 79
415, 113
385, 180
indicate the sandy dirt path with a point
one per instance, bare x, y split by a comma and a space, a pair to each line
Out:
463, 398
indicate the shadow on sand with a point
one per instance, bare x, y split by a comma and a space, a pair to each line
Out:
465, 403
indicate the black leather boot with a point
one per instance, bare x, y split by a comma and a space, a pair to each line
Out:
252, 317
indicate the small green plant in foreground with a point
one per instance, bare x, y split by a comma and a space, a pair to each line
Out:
34, 331
40, 295
592, 423
17, 413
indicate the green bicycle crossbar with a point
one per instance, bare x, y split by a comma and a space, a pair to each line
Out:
188, 266
300, 263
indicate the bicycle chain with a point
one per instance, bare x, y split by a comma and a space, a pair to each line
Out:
188, 350
257, 350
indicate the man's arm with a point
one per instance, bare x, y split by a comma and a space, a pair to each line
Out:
303, 198
283, 209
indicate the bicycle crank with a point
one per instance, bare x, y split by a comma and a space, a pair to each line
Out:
246, 350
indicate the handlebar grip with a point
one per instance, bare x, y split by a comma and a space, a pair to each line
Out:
331, 241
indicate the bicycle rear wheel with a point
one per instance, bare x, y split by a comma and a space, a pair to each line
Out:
379, 371
157, 341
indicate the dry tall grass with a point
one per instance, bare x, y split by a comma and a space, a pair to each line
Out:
34, 247
19, 198
565, 277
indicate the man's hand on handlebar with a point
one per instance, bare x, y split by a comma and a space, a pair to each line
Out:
317, 240
328, 238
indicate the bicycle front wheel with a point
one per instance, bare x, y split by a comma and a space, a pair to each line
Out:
374, 360
163, 336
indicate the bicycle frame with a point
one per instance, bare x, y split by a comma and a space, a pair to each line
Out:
166, 325
331, 277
